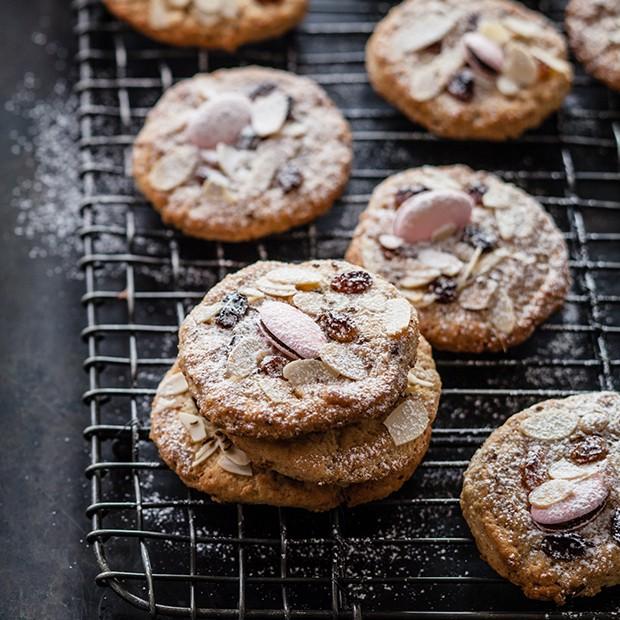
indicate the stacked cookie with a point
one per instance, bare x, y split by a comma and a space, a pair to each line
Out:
298, 385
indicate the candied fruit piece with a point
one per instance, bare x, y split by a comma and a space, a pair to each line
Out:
234, 308
338, 326
352, 282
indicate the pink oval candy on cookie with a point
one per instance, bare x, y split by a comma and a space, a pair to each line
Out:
422, 215
290, 330
483, 53
219, 121
587, 496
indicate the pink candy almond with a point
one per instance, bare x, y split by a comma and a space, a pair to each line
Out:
422, 215
482, 53
219, 121
290, 330
588, 495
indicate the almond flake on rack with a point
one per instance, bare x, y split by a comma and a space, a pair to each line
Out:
503, 316
448, 264
244, 357
301, 278
205, 314
478, 295
275, 289
173, 385
310, 303
204, 452
419, 277
343, 361
269, 113
194, 425
302, 372
407, 422
397, 316
275, 390
230, 466
174, 168
550, 425
550, 493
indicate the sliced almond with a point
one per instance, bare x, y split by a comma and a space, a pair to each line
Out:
230, 466
269, 113
513, 223
489, 261
263, 169
519, 66
161, 16
244, 357
373, 302
503, 316
214, 191
237, 456
419, 277
495, 31
565, 470
204, 452
559, 65
524, 28
469, 268
302, 372
253, 294
478, 295
174, 168
550, 425
429, 80
178, 4
595, 422
205, 314
498, 196
424, 31
414, 381
390, 242
194, 425
173, 385
408, 421
301, 278
275, 289
294, 130
418, 297
550, 492
342, 360
310, 303
276, 390
397, 316
435, 179
506, 86
448, 264
230, 160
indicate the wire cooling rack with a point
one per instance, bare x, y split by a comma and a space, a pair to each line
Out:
171, 551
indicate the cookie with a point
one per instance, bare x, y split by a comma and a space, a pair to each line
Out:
242, 153
593, 28
365, 450
206, 460
278, 350
485, 69
542, 497
480, 259
219, 24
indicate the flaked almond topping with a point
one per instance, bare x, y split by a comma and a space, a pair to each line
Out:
230, 466
489, 261
341, 359
554, 63
524, 28
483, 53
204, 452
230, 160
550, 492
275, 389
303, 372
498, 196
237, 456
550, 425
269, 113
495, 31
244, 357
252, 294
511, 223
194, 425
174, 168
478, 295
429, 80
300, 277
263, 170
390, 242
179, 4
506, 86
419, 277
407, 422
420, 298
448, 264
275, 289
397, 316
469, 267
173, 385
161, 16
424, 31
503, 316
373, 302
520, 66
310, 303
414, 381
225, 8
565, 470
206, 314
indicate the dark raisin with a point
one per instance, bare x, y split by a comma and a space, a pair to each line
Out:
289, 177
461, 86
534, 468
444, 289
589, 449
483, 239
273, 365
406, 192
565, 546
477, 190
472, 22
615, 526
248, 140
352, 282
234, 308
263, 89
338, 326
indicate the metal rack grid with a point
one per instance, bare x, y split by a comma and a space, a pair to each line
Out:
169, 550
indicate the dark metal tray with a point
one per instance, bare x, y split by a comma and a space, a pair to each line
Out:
171, 551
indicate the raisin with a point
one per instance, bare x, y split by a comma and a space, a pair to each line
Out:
248, 140
338, 326
261, 90
589, 449
534, 468
472, 22
352, 282
444, 289
615, 526
273, 365
234, 308
479, 238
289, 177
406, 192
477, 190
565, 546
461, 86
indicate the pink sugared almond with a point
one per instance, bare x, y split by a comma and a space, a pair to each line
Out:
483, 53
422, 215
587, 495
290, 330
219, 121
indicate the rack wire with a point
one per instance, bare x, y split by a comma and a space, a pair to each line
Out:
171, 551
